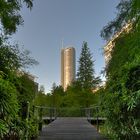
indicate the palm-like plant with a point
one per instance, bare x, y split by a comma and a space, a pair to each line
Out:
8, 106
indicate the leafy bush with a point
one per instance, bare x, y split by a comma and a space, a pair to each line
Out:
8, 106
122, 93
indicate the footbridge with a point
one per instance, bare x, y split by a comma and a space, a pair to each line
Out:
69, 123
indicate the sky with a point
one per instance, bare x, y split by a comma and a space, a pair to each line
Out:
73, 21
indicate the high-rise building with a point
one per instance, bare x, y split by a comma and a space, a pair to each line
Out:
109, 46
67, 66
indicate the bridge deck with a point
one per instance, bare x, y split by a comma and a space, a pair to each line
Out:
70, 129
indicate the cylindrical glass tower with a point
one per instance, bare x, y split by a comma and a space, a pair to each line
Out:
67, 66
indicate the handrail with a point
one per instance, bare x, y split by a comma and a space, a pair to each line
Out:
45, 107
89, 113
39, 111
53, 112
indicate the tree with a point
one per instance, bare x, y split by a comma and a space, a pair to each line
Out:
85, 74
53, 91
122, 93
86, 80
15, 87
26, 88
10, 16
42, 89
57, 94
12, 58
128, 12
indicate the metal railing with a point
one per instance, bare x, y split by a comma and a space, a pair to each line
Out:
43, 111
92, 113
51, 113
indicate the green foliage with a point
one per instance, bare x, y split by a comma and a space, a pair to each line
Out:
10, 16
33, 127
12, 58
3, 128
42, 99
70, 111
26, 89
8, 99
13, 110
85, 74
8, 106
122, 94
128, 12
57, 95
16, 88
68, 103
8, 58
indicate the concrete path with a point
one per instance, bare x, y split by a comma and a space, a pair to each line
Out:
70, 129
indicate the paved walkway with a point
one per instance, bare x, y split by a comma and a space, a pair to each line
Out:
70, 129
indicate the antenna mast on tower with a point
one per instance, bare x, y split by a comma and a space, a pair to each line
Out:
62, 43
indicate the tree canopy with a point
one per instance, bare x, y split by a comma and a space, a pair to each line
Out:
122, 92
85, 74
10, 16
17, 90
128, 12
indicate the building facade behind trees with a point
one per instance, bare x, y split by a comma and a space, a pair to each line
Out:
111, 43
